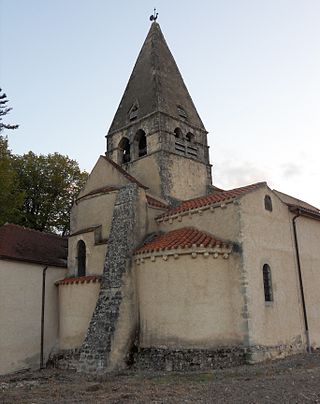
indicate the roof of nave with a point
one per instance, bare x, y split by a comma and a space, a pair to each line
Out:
155, 85
186, 237
23, 244
215, 197
292, 201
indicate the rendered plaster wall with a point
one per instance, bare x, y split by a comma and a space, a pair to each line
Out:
189, 302
103, 174
20, 314
223, 223
76, 305
308, 233
93, 211
146, 170
267, 239
95, 254
171, 176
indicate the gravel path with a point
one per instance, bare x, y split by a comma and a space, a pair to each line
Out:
292, 380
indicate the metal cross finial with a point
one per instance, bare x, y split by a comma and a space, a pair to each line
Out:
154, 16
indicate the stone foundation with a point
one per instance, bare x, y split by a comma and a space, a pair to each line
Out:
188, 359
65, 359
261, 353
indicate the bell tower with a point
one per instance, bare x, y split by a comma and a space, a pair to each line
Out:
157, 134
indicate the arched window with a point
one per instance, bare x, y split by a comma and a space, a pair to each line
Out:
81, 258
140, 143
124, 151
268, 203
189, 136
178, 133
267, 283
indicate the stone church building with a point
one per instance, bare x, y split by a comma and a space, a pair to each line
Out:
167, 271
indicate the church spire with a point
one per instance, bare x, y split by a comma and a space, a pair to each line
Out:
157, 134
155, 85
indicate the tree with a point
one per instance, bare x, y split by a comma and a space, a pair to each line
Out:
11, 199
4, 110
50, 185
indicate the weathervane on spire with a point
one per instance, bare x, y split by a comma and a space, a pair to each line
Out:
154, 16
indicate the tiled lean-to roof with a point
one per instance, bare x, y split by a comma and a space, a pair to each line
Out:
186, 237
215, 197
22, 244
155, 202
79, 280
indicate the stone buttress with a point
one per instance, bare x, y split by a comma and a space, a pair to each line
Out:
113, 324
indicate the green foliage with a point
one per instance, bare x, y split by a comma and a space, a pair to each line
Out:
4, 110
50, 185
36, 191
11, 198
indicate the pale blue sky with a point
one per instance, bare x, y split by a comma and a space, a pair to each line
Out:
252, 68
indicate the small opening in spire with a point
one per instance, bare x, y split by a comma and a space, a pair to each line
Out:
133, 111
181, 112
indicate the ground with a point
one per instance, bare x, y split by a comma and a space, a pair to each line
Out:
292, 380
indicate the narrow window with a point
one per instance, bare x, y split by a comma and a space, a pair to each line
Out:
178, 133
268, 203
124, 151
140, 143
81, 258
267, 283
189, 137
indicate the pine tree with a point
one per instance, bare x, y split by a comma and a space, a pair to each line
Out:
4, 110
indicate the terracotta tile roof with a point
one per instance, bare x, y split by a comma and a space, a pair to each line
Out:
180, 238
124, 172
23, 244
79, 279
156, 203
215, 197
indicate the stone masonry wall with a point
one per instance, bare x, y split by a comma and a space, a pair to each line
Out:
188, 359
100, 342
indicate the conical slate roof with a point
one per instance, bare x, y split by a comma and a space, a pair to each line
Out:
155, 85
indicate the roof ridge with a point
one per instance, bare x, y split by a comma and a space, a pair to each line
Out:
124, 172
45, 233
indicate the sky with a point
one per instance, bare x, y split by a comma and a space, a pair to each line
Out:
252, 68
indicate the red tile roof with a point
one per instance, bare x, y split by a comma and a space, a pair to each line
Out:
156, 203
181, 238
215, 197
124, 172
23, 244
79, 279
